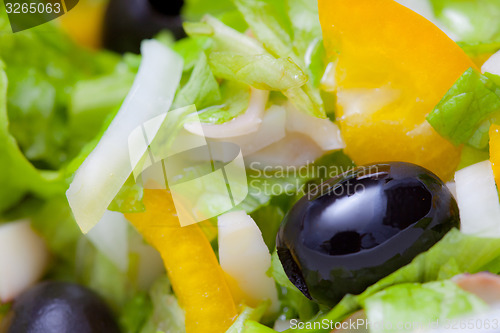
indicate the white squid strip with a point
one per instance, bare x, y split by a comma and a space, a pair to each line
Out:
246, 123
106, 169
477, 199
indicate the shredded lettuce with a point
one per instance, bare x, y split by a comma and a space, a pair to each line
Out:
4, 310
272, 65
294, 303
316, 64
56, 225
93, 100
413, 305
269, 218
224, 10
223, 37
286, 186
202, 89
455, 254
305, 25
99, 273
135, 313
247, 315
470, 20
235, 99
167, 316
190, 48
480, 50
94, 269
465, 113
260, 71
18, 176
129, 198
472, 156
40, 85
272, 25
77, 260
38, 140
60, 102
255, 327
153, 92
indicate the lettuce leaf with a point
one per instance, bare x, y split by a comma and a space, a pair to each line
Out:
419, 305
465, 113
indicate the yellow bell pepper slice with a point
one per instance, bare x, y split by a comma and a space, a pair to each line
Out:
84, 23
197, 278
392, 67
495, 151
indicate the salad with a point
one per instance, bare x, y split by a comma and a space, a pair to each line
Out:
252, 166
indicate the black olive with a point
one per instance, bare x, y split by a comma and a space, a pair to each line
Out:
60, 307
128, 22
359, 227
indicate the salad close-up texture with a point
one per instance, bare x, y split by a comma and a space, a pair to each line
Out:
250, 166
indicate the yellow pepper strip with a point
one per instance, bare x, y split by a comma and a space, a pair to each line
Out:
197, 278
495, 151
392, 67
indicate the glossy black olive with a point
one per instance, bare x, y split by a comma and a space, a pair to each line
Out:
128, 22
60, 307
359, 227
